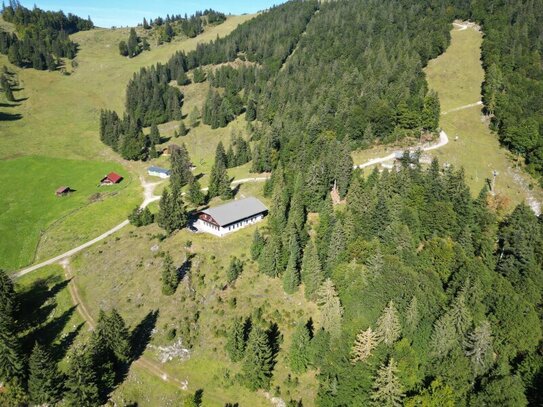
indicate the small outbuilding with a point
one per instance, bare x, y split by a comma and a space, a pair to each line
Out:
158, 172
111, 178
62, 191
232, 216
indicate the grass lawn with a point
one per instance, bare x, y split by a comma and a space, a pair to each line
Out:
29, 207
124, 272
54, 126
457, 76
49, 314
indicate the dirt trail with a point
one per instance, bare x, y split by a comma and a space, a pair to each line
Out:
142, 362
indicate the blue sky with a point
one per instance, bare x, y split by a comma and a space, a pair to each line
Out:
106, 13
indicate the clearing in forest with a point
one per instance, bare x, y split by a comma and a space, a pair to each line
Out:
457, 76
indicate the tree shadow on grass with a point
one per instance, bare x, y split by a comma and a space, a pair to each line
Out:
61, 348
274, 338
50, 331
36, 302
141, 335
8, 117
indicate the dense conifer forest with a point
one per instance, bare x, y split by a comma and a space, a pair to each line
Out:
42, 36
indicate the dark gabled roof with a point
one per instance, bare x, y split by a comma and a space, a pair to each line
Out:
236, 210
159, 170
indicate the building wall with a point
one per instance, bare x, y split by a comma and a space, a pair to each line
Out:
207, 227
158, 174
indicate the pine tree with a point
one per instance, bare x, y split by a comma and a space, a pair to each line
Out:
81, 381
236, 339
234, 270
292, 277
412, 316
479, 347
460, 315
330, 306
250, 113
194, 193
366, 341
11, 358
336, 247
119, 336
388, 325
431, 112
170, 277
181, 173
44, 381
182, 129
257, 245
172, 214
444, 336
194, 117
219, 184
133, 45
154, 135
387, 389
312, 275
299, 349
258, 363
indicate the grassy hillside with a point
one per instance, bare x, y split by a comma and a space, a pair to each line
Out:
457, 76
136, 291
59, 119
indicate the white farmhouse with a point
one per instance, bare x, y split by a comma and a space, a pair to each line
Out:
158, 172
231, 216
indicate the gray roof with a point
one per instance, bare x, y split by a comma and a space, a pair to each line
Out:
236, 210
159, 170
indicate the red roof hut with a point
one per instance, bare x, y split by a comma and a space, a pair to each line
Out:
111, 178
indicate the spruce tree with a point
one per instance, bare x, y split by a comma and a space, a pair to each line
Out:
236, 339
388, 325
387, 389
81, 382
330, 306
44, 380
154, 135
234, 270
479, 347
299, 349
292, 277
172, 214
219, 184
257, 245
133, 45
336, 247
258, 363
170, 278
366, 341
312, 275
194, 193
182, 129
412, 316
181, 173
11, 357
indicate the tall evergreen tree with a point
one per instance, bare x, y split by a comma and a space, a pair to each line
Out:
388, 325
330, 306
170, 277
219, 184
172, 214
299, 349
257, 245
479, 347
312, 275
366, 341
81, 382
194, 193
234, 270
44, 380
237, 339
11, 357
258, 363
387, 389
292, 277
181, 168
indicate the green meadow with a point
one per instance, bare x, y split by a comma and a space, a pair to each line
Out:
53, 135
29, 206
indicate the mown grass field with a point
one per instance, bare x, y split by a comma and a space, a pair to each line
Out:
457, 76
30, 208
56, 116
124, 272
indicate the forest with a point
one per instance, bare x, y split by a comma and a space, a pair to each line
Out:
42, 36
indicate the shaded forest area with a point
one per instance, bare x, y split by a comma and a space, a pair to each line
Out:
42, 36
